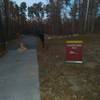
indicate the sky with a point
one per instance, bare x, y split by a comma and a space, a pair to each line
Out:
30, 2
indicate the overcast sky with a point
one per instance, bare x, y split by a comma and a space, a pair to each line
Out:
30, 2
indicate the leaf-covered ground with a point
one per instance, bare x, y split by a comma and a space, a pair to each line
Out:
62, 81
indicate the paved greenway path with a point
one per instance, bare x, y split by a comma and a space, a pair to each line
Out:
19, 77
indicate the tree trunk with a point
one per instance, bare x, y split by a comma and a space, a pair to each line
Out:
55, 18
6, 18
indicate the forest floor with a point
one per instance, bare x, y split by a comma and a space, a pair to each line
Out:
62, 81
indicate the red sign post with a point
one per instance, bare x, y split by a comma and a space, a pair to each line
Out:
74, 51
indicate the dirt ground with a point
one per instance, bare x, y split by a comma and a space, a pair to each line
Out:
62, 81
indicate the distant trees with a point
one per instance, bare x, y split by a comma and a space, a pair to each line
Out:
87, 10
22, 11
0, 22
6, 3
55, 19
1, 26
10, 18
91, 16
74, 15
58, 16
23, 8
79, 15
36, 12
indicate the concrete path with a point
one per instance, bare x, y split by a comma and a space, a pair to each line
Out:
29, 41
19, 77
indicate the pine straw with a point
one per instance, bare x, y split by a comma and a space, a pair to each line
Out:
62, 81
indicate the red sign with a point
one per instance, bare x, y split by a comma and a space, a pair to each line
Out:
74, 51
